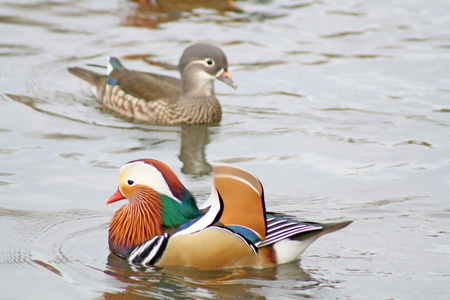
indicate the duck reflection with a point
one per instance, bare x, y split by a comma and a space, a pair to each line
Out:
194, 139
184, 282
150, 13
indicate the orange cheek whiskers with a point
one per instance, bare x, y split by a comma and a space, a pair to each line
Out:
138, 221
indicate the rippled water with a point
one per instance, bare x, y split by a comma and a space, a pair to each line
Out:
342, 110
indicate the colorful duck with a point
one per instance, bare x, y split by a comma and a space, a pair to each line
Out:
155, 98
161, 224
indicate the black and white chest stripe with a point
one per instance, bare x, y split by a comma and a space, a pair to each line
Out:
149, 252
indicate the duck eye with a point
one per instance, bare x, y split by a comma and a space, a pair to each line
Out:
130, 182
209, 62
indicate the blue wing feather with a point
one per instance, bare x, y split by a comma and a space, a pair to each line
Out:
250, 235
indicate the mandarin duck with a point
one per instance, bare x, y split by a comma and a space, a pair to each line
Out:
155, 98
162, 225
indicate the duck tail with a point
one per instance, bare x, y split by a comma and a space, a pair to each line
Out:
327, 228
95, 80
331, 227
91, 77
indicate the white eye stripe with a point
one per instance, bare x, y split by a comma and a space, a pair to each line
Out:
142, 173
207, 62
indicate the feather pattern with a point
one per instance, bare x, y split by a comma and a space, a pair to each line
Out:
281, 226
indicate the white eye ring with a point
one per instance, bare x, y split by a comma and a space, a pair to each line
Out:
130, 182
209, 62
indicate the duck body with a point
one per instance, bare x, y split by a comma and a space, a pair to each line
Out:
156, 98
161, 224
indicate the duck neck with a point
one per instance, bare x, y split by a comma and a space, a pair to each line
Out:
177, 213
197, 84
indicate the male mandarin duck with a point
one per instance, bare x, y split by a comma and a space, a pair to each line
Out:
161, 224
163, 99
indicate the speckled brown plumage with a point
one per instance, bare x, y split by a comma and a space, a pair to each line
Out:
148, 97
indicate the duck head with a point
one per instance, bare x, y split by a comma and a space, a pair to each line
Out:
156, 200
200, 65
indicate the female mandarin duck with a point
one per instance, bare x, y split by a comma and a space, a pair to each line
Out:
161, 224
162, 99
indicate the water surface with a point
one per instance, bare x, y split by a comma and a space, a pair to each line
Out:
342, 110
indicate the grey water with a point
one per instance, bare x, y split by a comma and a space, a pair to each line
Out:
342, 111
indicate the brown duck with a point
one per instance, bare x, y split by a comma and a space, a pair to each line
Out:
155, 98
